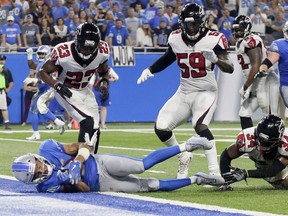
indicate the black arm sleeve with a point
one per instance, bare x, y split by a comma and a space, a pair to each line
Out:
164, 61
269, 171
225, 162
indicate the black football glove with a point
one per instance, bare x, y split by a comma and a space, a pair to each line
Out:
62, 90
235, 175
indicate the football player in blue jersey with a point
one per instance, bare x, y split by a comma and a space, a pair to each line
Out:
72, 168
40, 101
278, 53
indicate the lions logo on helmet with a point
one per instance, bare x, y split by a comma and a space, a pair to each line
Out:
43, 52
268, 134
192, 21
87, 39
241, 27
285, 30
24, 167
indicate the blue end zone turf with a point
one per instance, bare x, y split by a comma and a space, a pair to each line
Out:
85, 202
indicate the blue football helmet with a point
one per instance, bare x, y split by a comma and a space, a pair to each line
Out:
285, 30
24, 168
43, 52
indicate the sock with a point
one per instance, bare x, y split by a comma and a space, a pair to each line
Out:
211, 156
58, 122
173, 184
159, 156
36, 133
35, 121
172, 141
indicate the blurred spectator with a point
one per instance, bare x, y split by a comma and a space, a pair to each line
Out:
91, 10
31, 33
144, 36
261, 4
155, 21
72, 5
47, 33
211, 7
69, 19
175, 20
161, 34
211, 22
225, 23
106, 5
6, 86
109, 22
16, 10
229, 5
170, 15
132, 24
24, 4
61, 32
100, 21
277, 26
34, 10
45, 14
268, 30
284, 4
119, 35
124, 5
117, 12
244, 7
4, 11
139, 12
59, 11
258, 20
83, 16
151, 10
91, 19
72, 29
275, 7
11, 31
30, 88
84, 4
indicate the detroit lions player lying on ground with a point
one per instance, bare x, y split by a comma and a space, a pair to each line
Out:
72, 168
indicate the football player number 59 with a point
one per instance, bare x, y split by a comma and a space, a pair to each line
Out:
195, 60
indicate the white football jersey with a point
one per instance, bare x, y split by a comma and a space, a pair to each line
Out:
196, 72
246, 143
76, 72
249, 42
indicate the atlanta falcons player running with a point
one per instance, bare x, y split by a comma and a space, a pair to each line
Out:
71, 168
197, 50
255, 91
76, 61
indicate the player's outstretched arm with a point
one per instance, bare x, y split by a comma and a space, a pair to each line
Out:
224, 63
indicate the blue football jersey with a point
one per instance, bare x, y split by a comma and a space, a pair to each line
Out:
54, 152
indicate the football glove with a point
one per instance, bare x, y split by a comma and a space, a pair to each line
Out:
244, 94
209, 55
91, 142
235, 175
62, 90
29, 52
260, 74
144, 76
74, 169
63, 177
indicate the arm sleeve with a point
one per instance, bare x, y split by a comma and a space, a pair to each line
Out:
164, 61
269, 171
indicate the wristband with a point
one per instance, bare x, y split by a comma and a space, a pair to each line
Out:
84, 152
267, 62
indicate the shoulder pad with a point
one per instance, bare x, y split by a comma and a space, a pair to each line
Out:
245, 140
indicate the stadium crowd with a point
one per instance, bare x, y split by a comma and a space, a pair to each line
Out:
137, 23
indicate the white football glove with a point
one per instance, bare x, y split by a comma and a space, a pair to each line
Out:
91, 142
209, 55
244, 94
29, 52
144, 76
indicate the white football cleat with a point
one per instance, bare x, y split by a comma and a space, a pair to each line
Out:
33, 138
206, 179
50, 127
196, 142
185, 159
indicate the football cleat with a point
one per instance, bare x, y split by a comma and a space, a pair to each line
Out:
62, 129
33, 137
206, 179
185, 159
50, 127
196, 142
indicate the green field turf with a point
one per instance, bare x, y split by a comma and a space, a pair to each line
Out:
139, 140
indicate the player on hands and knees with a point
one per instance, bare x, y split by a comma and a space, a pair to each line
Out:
197, 50
76, 62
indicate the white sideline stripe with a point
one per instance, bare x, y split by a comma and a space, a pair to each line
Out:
138, 197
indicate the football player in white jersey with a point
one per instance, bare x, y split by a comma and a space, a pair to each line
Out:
76, 61
258, 92
197, 50
266, 145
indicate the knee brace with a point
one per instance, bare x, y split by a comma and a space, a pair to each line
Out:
205, 133
162, 135
86, 126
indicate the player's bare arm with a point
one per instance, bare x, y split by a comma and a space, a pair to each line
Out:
224, 62
255, 60
79, 187
227, 156
103, 70
271, 59
164, 61
44, 73
32, 64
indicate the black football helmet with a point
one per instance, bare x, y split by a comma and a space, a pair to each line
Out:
268, 134
241, 26
192, 21
87, 40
